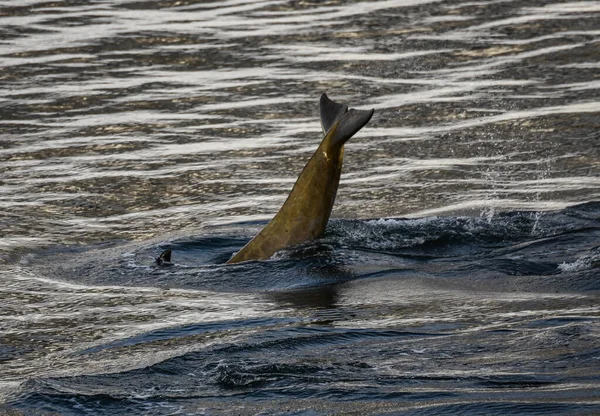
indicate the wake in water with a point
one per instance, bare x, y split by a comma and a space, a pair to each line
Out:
368, 313
512, 251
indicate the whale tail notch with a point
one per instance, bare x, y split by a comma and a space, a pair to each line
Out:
346, 122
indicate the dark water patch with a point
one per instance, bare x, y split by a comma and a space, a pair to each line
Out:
341, 365
550, 322
184, 331
11, 352
506, 407
518, 381
304, 338
525, 250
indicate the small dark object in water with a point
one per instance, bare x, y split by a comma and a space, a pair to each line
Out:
164, 259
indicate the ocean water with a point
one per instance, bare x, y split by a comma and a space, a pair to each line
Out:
460, 273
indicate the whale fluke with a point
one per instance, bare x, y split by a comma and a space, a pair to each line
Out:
305, 213
349, 125
331, 112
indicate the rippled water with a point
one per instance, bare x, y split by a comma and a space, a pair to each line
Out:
462, 271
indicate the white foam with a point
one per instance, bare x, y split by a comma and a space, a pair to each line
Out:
582, 263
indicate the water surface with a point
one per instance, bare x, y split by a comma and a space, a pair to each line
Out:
460, 274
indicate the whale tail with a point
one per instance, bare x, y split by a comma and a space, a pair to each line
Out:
345, 122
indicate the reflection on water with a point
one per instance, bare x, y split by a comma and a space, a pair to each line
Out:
130, 126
